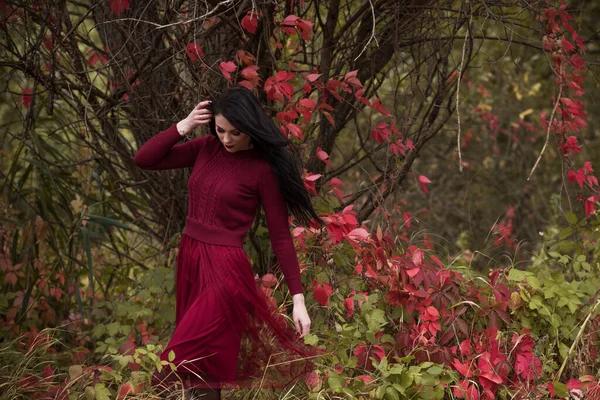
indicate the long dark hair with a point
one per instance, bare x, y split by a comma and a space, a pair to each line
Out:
243, 110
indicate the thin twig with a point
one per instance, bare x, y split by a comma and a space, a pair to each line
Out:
547, 133
372, 32
579, 334
460, 72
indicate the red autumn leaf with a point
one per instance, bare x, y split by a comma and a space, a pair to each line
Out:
26, 95
567, 46
309, 182
329, 118
570, 146
312, 77
47, 372
247, 84
424, 181
358, 234
227, 68
364, 378
323, 156
269, 280
289, 21
462, 368
282, 76
305, 28
335, 182
295, 130
251, 73
574, 384
492, 376
306, 107
243, 57
352, 80
118, 6
194, 52
250, 22
379, 107
590, 203
313, 381
312, 177
322, 292
381, 132
349, 305
417, 257
96, 57
413, 272
578, 176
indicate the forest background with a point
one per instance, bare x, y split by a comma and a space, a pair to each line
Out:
449, 145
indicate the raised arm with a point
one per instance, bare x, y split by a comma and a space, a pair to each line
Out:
276, 212
160, 152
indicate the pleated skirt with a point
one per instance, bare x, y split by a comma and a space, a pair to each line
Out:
228, 334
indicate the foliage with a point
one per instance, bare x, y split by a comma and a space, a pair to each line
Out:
89, 242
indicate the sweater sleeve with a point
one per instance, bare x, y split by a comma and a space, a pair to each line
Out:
273, 203
159, 151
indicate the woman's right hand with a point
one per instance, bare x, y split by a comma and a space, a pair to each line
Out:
200, 115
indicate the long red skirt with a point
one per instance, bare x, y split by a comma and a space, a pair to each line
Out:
227, 332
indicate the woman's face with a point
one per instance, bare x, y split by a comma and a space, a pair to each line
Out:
232, 138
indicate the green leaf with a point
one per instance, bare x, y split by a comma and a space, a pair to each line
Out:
391, 393
102, 392
517, 275
534, 282
75, 370
335, 382
561, 389
376, 319
171, 356
396, 369
107, 221
90, 393
572, 218
405, 379
435, 370
311, 339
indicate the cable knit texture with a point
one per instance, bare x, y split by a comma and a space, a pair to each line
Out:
224, 190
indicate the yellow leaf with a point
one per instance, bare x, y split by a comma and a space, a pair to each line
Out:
525, 113
77, 204
518, 94
534, 89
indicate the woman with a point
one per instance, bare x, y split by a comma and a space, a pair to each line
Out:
225, 325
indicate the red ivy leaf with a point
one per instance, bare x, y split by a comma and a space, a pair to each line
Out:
251, 74
250, 22
379, 107
349, 305
26, 95
321, 155
424, 181
194, 52
227, 68
590, 204
358, 234
118, 6
269, 280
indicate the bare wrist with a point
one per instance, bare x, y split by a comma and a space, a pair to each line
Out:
183, 128
298, 298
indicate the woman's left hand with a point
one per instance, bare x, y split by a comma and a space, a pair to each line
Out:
300, 315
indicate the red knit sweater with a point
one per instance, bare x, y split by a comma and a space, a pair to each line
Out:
224, 190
